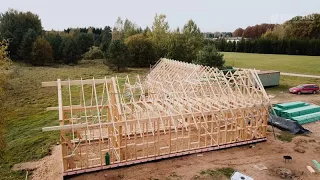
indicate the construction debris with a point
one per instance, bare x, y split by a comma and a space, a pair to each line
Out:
310, 169
177, 109
260, 167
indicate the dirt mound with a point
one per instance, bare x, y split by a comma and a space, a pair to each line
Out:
299, 149
302, 139
285, 173
302, 143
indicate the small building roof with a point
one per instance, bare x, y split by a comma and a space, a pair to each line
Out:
267, 72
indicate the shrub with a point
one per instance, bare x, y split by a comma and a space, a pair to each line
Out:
4, 55
41, 52
93, 53
118, 53
4, 63
209, 56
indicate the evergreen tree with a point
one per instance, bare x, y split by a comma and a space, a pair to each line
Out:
106, 39
69, 50
26, 45
118, 54
84, 42
55, 41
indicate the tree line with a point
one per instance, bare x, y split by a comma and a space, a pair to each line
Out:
124, 45
271, 46
297, 36
253, 31
299, 27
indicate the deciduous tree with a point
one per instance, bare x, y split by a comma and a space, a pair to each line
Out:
130, 28
41, 52
194, 39
238, 32
13, 26
178, 48
117, 32
140, 51
209, 56
160, 35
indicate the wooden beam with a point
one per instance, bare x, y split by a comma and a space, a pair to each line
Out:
75, 82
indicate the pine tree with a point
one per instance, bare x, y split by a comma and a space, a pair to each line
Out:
26, 45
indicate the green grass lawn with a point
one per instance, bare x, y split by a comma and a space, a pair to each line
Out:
284, 63
26, 109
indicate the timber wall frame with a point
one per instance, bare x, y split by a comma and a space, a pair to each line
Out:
177, 109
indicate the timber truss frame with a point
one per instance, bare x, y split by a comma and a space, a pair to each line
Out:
178, 108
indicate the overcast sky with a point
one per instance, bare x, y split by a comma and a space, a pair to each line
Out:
210, 15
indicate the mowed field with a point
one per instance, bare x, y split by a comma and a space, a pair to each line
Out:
309, 65
284, 63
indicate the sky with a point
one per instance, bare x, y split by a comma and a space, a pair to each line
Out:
209, 15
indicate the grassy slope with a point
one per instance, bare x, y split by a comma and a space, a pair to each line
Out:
284, 63
26, 113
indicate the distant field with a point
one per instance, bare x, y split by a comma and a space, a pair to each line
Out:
285, 63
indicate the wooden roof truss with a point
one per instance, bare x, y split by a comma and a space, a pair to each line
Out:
177, 108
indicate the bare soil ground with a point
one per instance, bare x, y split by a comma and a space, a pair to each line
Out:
243, 159
303, 149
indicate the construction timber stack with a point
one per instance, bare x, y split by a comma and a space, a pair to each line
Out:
178, 108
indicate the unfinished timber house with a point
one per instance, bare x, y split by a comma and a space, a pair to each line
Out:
177, 109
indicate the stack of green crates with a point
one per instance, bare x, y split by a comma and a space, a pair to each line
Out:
308, 118
298, 111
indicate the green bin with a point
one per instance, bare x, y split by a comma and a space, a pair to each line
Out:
107, 157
